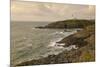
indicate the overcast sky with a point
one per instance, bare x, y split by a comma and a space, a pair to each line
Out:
36, 11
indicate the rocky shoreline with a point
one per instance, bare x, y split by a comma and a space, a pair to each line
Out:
84, 40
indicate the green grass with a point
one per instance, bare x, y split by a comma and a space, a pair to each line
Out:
73, 23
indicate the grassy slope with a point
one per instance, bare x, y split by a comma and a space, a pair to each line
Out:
73, 23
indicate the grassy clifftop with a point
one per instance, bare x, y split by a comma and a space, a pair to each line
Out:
72, 23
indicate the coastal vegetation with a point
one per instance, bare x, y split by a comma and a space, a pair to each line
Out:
72, 23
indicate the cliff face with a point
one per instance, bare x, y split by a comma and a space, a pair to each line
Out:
84, 39
79, 38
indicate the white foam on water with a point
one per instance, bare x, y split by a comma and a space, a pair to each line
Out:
61, 32
52, 44
55, 44
33, 28
58, 33
71, 47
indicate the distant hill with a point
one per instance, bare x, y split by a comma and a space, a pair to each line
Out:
72, 23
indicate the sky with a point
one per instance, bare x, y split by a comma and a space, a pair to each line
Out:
37, 11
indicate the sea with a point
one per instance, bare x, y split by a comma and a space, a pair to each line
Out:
28, 42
